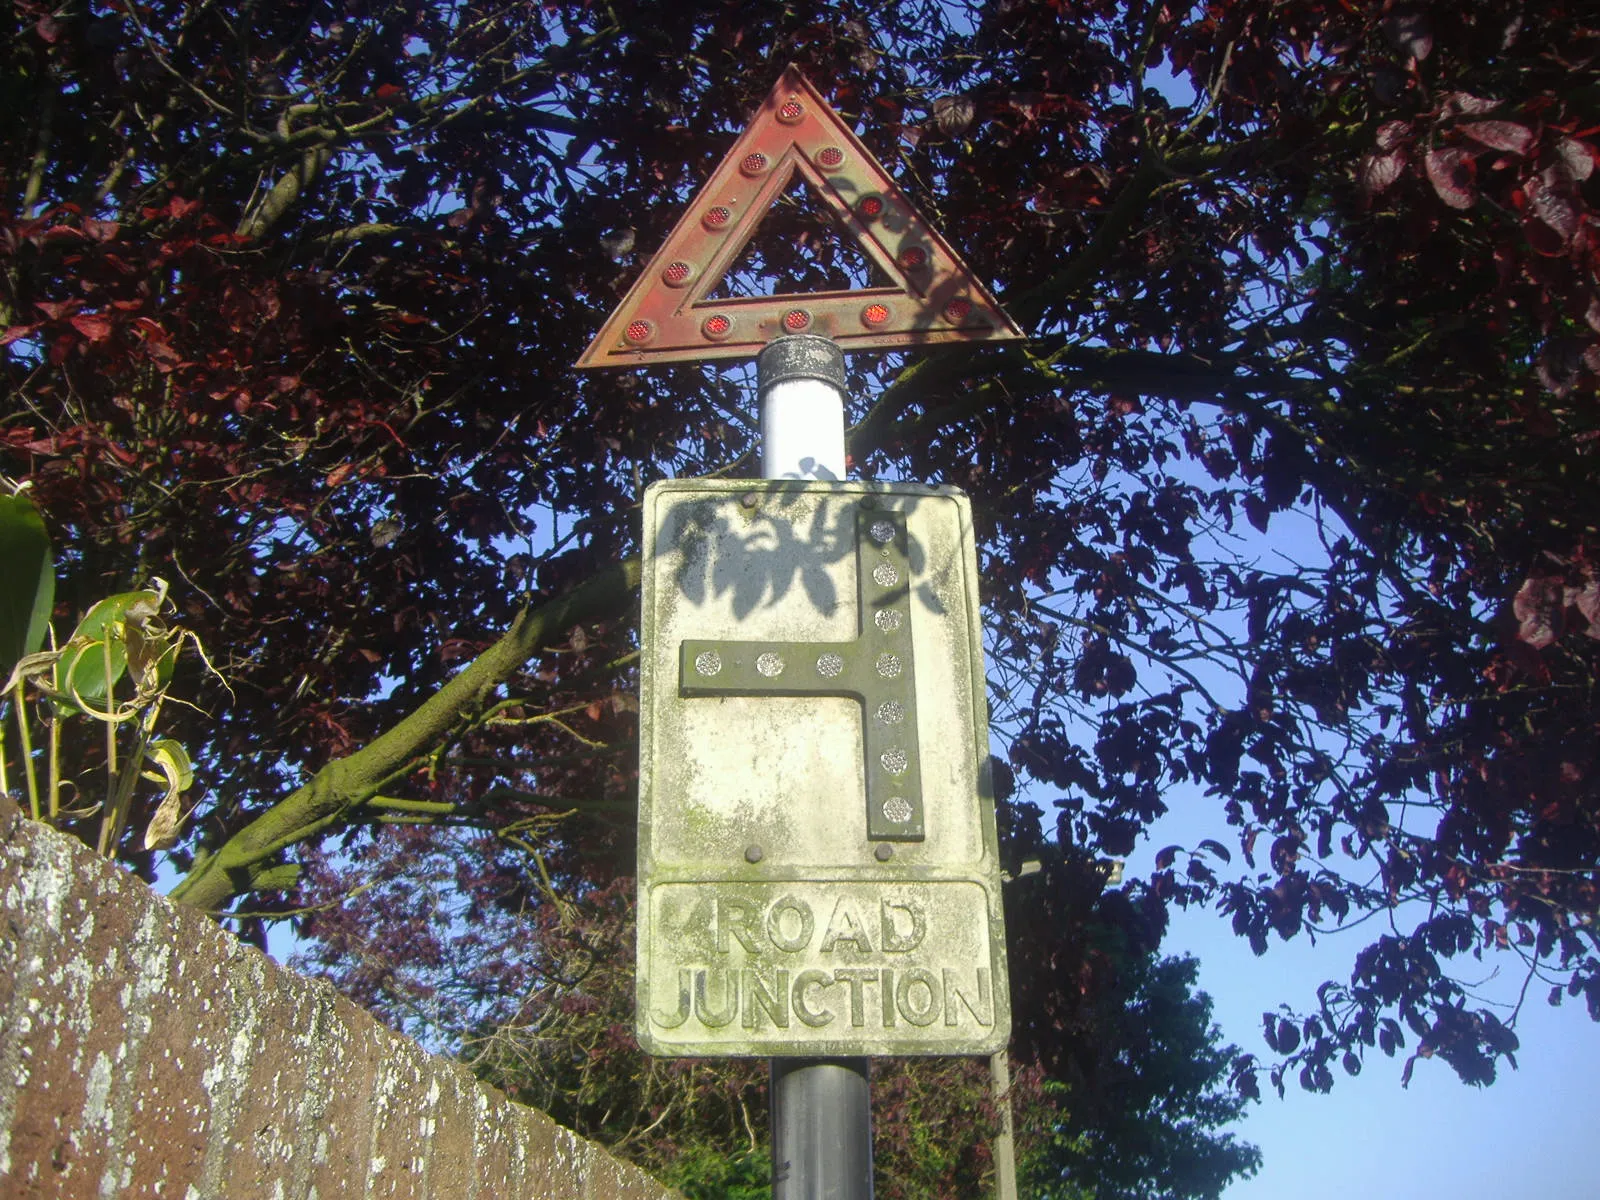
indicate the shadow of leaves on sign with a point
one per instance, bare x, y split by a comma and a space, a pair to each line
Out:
780, 535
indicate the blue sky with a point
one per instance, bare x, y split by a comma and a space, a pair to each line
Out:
1371, 1139
1527, 1135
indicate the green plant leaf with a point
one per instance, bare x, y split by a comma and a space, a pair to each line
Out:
173, 759
87, 674
178, 773
166, 665
114, 610
82, 673
27, 581
152, 654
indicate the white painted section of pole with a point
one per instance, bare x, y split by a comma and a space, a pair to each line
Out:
800, 383
802, 430
821, 1107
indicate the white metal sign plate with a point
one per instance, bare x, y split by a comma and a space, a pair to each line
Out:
817, 859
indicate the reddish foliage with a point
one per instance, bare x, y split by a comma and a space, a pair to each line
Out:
293, 335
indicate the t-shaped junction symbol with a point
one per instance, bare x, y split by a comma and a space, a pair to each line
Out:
877, 668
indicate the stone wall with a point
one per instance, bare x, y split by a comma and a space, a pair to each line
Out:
144, 1052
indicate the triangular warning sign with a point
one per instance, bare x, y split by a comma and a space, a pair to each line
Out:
668, 317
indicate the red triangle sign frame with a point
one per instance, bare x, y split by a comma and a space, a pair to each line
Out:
666, 316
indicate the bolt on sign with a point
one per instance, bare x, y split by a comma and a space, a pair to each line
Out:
670, 315
817, 858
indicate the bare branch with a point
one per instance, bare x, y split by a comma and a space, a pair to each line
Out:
236, 867
285, 193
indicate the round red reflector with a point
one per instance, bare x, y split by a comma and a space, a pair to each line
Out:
913, 257
791, 111
830, 157
796, 319
753, 164
676, 273
875, 314
956, 311
870, 207
717, 217
716, 326
639, 331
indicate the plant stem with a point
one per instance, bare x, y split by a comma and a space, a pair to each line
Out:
108, 816
232, 868
55, 765
5, 778
27, 750
116, 815
439, 807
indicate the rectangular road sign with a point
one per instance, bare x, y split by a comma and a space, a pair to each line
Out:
817, 856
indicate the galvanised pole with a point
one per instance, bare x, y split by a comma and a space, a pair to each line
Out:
821, 1107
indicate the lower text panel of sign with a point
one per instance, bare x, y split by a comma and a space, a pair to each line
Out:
822, 968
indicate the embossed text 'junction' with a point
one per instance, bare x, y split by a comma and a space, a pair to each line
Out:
879, 997
741, 984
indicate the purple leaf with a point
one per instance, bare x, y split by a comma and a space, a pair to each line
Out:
1578, 156
1552, 206
953, 114
1538, 610
1467, 105
1501, 135
1410, 33
1542, 238
1393, 134
1378, 171
1288, 1037
1451, 172
1587, 601
93, 326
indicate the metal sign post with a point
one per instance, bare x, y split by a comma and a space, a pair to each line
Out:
818, 872
821, 1108
818, 867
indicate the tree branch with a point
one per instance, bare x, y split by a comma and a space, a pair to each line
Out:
41, 155
358, 233
239, 865
285, 193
